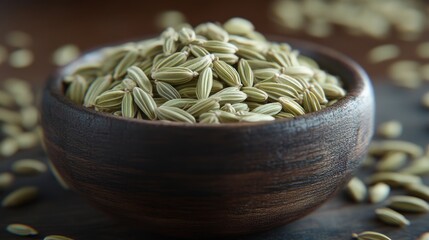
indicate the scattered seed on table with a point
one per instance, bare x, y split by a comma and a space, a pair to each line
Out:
378, 148
394, 179
238, 26
65, 54
425, 100
424, 71
390, 129
167, 64
424, 236
383, 53
28, 167
391, 161
319, 28
57, 237
422, 50
405, 73
8, 147
379, 192
375, 19
391, 217
21, 58
369, 161
170, 19
29, 116
419, 166
27, 140
418, 190
408, 204
18, 39
57, 176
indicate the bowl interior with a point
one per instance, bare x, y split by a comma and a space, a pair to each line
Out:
354, 79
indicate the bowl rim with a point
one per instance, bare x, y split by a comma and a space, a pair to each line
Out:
357, 85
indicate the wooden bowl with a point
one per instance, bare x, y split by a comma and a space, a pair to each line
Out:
211, 180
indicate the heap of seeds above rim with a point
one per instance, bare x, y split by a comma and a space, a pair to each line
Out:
210, 74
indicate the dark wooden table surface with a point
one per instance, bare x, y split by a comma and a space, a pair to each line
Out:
54, 23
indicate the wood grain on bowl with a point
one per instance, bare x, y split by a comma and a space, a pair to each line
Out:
199, 180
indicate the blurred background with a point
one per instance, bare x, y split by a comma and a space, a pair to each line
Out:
351, 26
389, 38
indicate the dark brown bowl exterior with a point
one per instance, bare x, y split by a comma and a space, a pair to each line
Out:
212, 180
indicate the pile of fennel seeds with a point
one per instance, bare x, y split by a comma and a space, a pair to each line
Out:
209, 74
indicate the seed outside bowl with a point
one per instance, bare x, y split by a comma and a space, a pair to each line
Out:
195, 180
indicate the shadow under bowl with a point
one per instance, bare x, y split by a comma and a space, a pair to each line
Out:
200, 180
